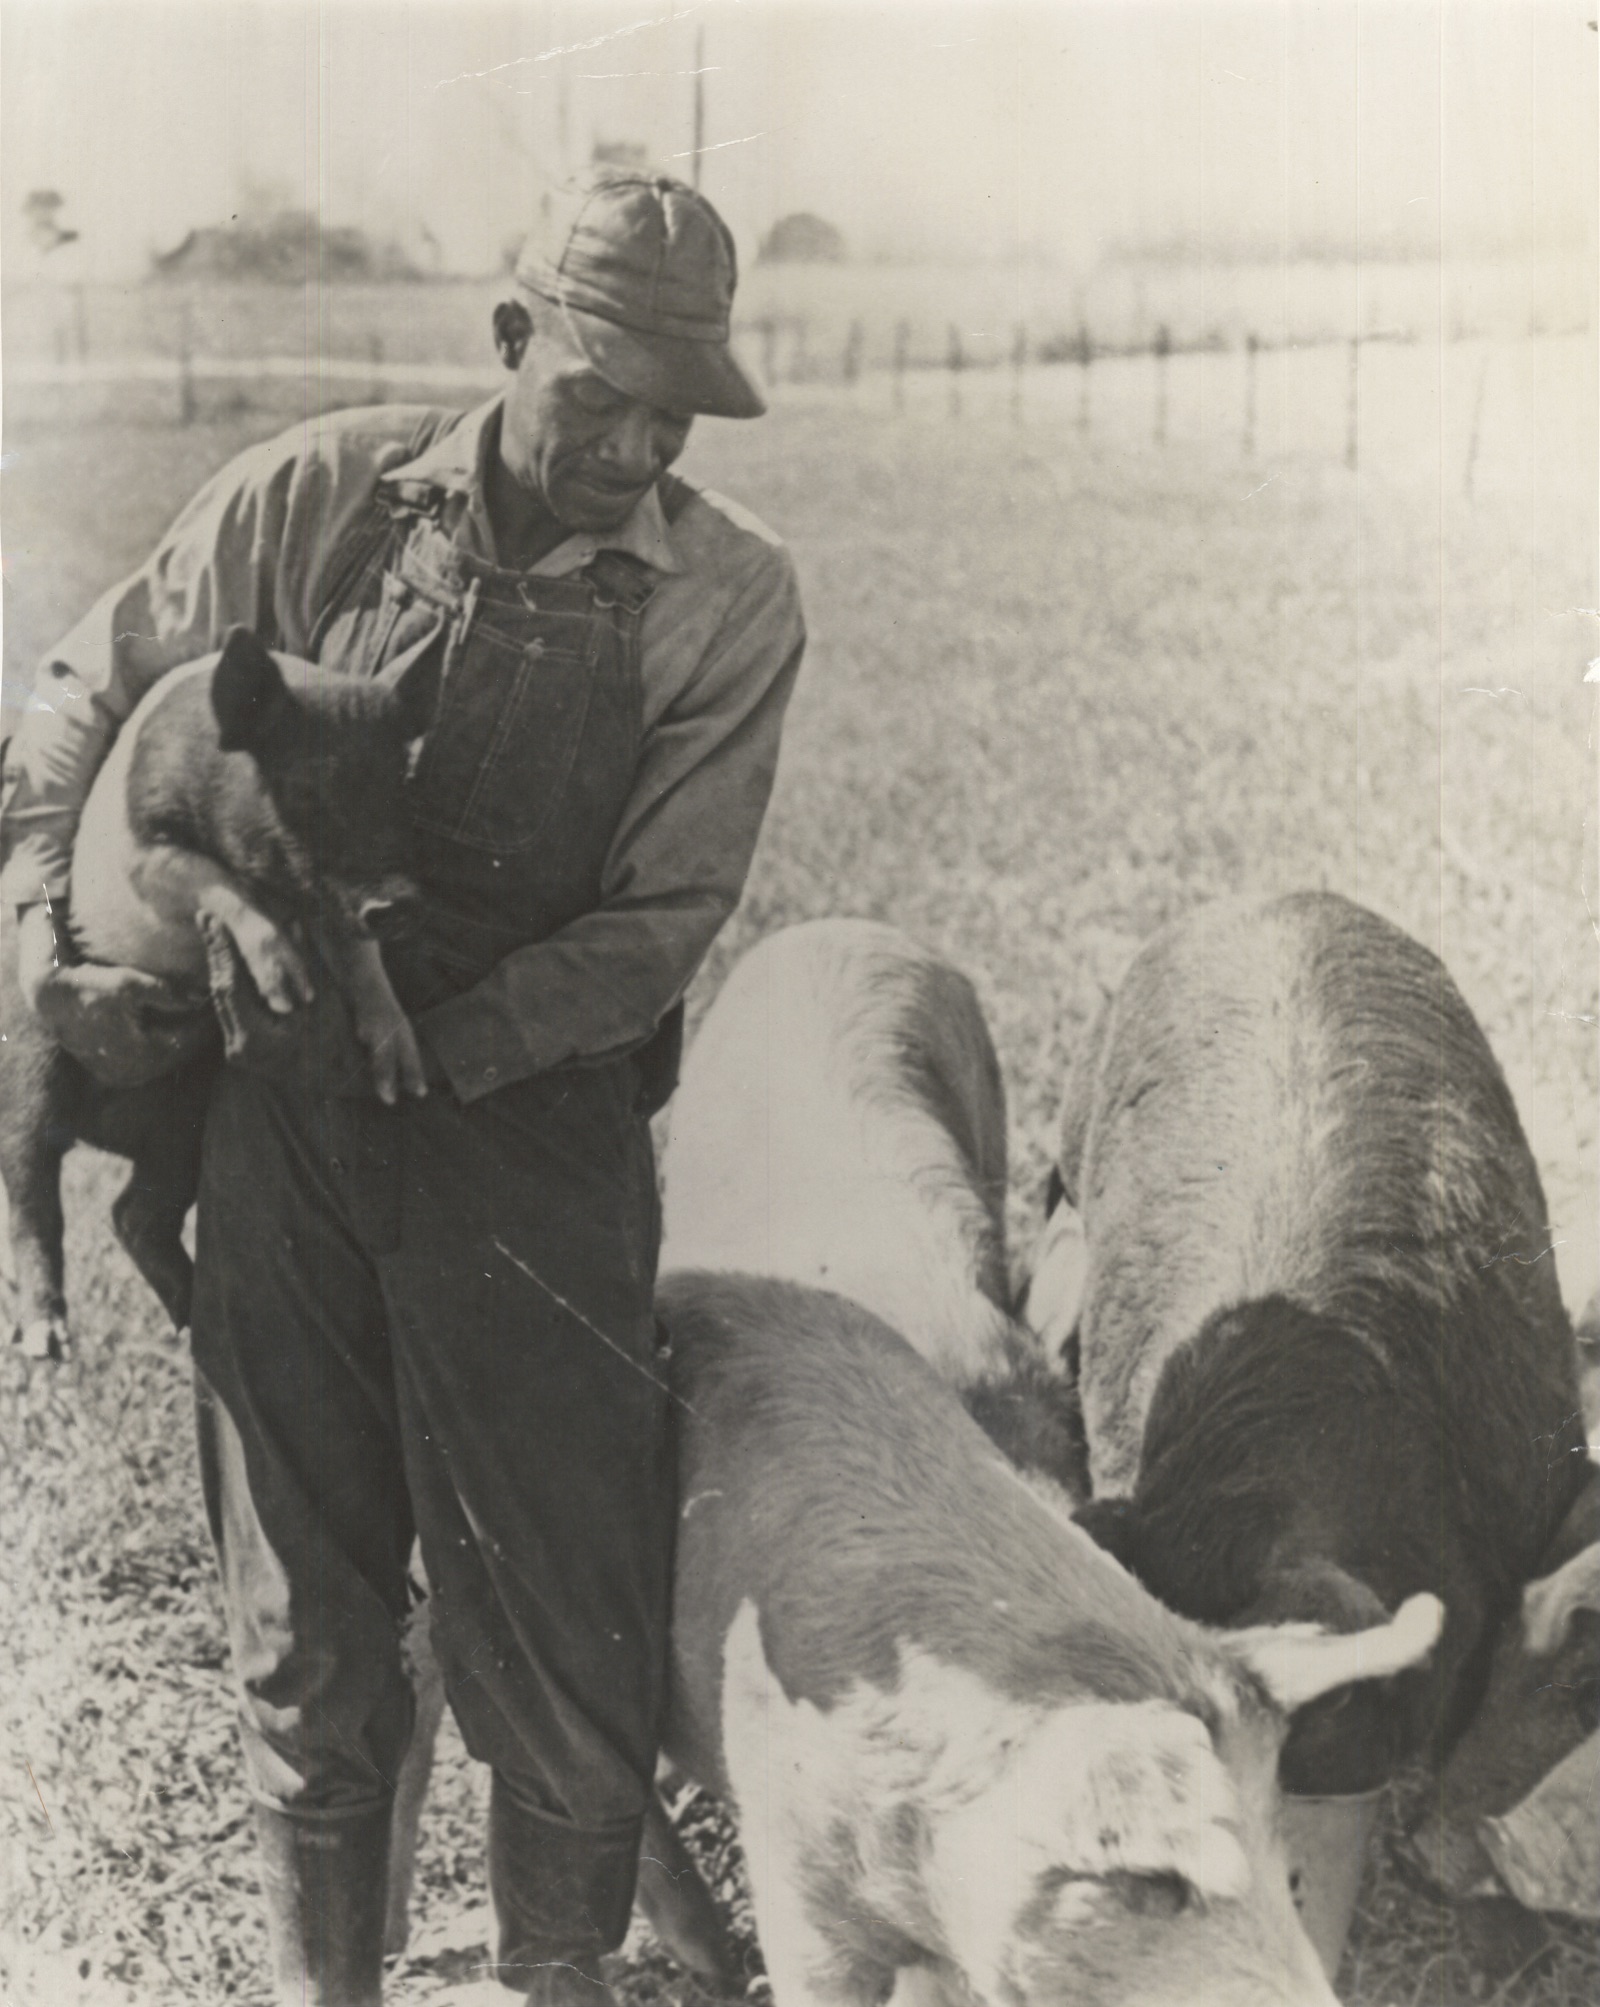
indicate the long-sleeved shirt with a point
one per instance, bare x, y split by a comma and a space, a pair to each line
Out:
720, 645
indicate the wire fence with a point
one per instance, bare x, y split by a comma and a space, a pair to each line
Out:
1457, 408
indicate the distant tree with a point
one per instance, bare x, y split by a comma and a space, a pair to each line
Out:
287, 248
42, 207
802, 239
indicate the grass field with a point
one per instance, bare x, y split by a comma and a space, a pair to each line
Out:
1059, 688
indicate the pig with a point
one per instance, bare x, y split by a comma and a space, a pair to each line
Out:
1546, 1849
1515, 1809
972, 1759
1324, 1362
251, 791
841, 1122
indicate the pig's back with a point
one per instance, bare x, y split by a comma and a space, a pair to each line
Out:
828, 1475
1291, 1098
111, 921
840, 1123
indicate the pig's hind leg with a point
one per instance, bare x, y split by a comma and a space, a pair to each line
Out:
36, 1097
175, 886
159, 1128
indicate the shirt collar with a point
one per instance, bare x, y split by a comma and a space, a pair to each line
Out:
456, 463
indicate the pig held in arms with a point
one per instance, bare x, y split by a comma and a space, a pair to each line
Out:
248, 791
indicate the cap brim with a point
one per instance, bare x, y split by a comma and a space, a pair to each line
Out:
668, 371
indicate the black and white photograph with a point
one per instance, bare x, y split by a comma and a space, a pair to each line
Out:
800, 1003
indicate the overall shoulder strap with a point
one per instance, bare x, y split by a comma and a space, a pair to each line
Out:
395, 505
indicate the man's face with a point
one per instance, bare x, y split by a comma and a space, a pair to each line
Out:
587, 451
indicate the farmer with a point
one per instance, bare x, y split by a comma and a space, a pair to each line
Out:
437, 1318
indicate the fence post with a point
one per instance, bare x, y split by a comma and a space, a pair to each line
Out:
80, 321
955, 362
800, 355
855, 342
769, 351
1351, 413
1085, 357
902, 350
1251, 349
1019, 362
1162, 349
1477, 421
186, 408
375, 356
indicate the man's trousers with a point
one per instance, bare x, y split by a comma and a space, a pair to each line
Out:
437, 1319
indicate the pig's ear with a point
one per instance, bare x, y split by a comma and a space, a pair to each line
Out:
415, 683
1550, 1604
1298, 1663
248, 692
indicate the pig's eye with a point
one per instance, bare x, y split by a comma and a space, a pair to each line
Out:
1154, 1895
1334, 1703
1586, 1704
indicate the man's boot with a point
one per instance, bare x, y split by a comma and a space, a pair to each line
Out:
325, 1878
562, 1899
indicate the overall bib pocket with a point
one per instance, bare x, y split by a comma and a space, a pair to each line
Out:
495, 763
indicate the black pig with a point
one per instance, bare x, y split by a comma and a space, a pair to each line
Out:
1324, 1361
266, 793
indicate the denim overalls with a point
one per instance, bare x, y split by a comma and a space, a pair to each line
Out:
531, 755
439, 1316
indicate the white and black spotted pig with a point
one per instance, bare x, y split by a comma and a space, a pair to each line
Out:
1324, 1362
973, 1761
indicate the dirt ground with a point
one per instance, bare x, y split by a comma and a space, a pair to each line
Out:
1059, 688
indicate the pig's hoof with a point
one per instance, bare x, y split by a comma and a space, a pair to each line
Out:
279, 989
274, 963
46, 1337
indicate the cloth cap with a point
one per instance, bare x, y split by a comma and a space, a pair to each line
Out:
645, 270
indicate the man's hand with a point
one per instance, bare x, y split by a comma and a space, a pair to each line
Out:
313, 1044
124, 1026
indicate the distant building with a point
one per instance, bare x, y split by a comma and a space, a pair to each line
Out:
802, 239
288, 248
619, 153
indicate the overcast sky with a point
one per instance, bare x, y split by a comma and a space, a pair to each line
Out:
970, 129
